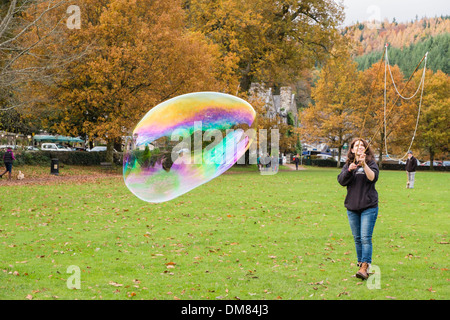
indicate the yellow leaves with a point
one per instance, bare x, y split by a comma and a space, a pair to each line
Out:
433, 133
142, 55
335, 113
269, 40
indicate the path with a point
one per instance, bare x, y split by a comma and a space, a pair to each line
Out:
291, 166
53, 179
82, 178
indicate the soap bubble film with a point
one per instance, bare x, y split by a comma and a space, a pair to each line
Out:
185, 142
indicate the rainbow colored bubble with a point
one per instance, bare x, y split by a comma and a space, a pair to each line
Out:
185, 142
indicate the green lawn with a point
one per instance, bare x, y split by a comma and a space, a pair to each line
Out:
240, 236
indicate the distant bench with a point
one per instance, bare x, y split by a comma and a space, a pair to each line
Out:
107, 166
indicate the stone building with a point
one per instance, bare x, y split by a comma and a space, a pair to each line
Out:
280, 105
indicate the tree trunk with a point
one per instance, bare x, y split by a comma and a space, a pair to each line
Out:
245, 81
110, 151
431, 150
339, 157
118, 144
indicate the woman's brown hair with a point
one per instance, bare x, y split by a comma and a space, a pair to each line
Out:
351, 156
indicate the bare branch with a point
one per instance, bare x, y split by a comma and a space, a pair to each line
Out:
6, 21
33, 23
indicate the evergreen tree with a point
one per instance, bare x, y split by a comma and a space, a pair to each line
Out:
408, 57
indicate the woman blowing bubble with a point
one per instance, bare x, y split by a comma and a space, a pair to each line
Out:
359, 175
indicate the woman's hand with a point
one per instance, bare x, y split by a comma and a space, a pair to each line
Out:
369, 173
362, 160
352, 167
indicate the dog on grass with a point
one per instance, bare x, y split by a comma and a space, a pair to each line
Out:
20, 176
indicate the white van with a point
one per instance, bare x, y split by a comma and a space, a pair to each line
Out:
52, 147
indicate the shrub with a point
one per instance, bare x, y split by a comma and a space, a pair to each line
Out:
69, 157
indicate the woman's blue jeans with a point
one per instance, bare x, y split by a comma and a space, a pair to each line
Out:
362, 224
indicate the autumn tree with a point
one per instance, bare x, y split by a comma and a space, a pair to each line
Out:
25, 28
433, 134
267, 41
387, 124
138, 56
401, 35
334, 116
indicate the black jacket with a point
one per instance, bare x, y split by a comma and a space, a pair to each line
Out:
411, 164
361, 192
8, 157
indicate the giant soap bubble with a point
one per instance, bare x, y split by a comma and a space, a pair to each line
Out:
185, 142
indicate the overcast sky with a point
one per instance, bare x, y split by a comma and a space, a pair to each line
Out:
402, 10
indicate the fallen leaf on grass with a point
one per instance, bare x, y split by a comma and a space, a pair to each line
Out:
115, 284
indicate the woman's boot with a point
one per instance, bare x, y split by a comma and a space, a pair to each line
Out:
362, 273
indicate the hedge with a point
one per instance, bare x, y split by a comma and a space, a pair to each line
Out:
395, 166
386, 166
64, 157
321, 162
95, 158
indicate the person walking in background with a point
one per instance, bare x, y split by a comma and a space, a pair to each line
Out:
8, 159
274, 163
296, 161
266, 162
411, 165
359, 175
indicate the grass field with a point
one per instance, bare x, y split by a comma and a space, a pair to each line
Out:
240, 236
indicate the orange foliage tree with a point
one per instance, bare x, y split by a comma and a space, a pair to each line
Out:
137, 55
267, 41
335, 114
433, 134
389, 124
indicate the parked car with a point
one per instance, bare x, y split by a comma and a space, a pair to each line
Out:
53, 147
31, 148
98, 148
4, 147
404, 162
446, 163
435, 164
324, 156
